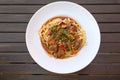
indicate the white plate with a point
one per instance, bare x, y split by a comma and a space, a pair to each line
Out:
85, 55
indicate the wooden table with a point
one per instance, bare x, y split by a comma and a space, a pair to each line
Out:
17, 64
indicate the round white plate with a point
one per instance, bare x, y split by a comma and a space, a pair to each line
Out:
85, 55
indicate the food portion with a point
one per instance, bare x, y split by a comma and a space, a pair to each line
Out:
62, 37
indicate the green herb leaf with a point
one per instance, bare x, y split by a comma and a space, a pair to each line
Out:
63, 31
54, 28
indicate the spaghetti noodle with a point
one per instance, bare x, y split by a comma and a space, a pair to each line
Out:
62, 37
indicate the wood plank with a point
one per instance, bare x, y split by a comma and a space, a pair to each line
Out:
26, 58
19, 8
103, 8
21, 47
26, 17
13, 47
15, 17
35, 69
109, 47
107, 17
20, 37
34, 8
109, 27
12, 37
21, 27
22, 69
110, 37
107, 58
48, 1
101, 69
13, 27
16, 57
60, 77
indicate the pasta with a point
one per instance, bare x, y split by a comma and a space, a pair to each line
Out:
62, 37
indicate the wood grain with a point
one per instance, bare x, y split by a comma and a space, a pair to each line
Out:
12, 37
20, 37
21, 27
109, 27
16, 62
21, 47
60, 77
107, 58
109, 47
16, 57
33, 8
26, 17
13, 47
26, 58
110, 37
35, 69
48, 1
12, 27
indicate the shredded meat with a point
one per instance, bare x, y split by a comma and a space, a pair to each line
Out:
76, 44
49, 32
50, 38
73, 29
53, 47
65, 45
59, 54
66, 21
68, 24
61, 37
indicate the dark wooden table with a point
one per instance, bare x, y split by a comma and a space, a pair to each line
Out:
17, 64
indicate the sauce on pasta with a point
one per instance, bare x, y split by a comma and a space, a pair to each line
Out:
62, 37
